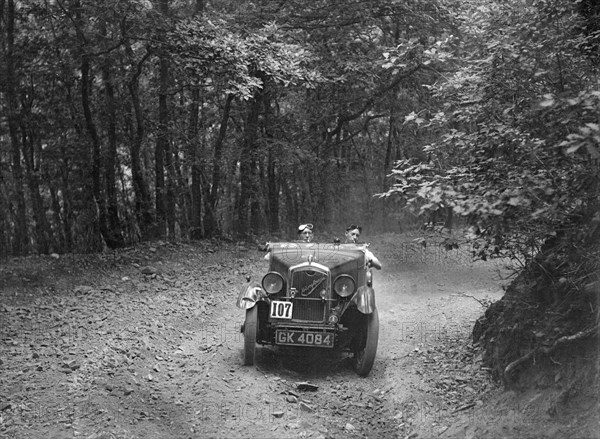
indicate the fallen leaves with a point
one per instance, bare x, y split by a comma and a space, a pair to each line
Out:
453, 369
99, 326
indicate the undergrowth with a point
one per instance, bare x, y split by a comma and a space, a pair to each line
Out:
550, 308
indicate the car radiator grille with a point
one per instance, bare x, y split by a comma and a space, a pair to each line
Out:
309, 310
308, 305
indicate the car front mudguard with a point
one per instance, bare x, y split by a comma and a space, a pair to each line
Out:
249, 295
365, 299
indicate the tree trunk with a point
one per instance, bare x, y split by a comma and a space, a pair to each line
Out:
171, 183
247, 167
56, 213
162, 139
195, 197
257, 223
272, 190
159, 155
113, 237
273, 193
19, 244
387, 164
210, 217
42, 228
6, 219
196, 189
291, 203
180, 197
143, 204
98, 222
401, 147
67, 208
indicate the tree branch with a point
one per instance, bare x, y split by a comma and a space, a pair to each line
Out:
371, 101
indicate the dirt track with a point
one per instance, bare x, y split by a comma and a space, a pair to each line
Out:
92, 347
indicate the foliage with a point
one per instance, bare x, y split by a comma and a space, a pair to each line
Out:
207, 53
288, 112
517, 148
215, 104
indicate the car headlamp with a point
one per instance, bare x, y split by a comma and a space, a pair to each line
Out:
344, 285
272, 282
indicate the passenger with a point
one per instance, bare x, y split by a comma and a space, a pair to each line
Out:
352, 234
305, 232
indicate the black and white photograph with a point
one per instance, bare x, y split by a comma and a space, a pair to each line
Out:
281, 219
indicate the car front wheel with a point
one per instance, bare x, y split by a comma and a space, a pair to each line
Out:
250, 330
366, 346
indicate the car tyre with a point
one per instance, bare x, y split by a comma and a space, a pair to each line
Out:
364, 353
250, 331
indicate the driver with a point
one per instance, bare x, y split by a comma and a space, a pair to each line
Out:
352, 234
305, 232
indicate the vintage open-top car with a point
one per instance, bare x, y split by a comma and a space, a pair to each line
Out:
314, 295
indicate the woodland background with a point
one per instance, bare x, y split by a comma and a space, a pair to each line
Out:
128, 120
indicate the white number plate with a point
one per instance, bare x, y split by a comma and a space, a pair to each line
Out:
281, 310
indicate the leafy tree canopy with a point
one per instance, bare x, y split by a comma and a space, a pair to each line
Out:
517, 148
208, 50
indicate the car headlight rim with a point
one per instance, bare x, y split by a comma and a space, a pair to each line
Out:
344, 285
272, 282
